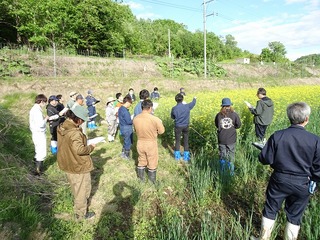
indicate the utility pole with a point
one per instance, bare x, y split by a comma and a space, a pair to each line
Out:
123, 62
205, 36
169, 53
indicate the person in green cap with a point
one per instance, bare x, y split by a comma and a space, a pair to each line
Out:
74, 159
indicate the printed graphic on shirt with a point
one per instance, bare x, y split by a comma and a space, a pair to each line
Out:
226, 123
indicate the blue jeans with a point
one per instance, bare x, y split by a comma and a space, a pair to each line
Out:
127, 134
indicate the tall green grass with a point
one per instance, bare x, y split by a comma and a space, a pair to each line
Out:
190, 201
20, 199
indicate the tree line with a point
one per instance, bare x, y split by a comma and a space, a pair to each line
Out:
110, 26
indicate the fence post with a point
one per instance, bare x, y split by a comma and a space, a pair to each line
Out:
54, 60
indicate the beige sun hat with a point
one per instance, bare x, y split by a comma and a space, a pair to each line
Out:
110, 99
71, 94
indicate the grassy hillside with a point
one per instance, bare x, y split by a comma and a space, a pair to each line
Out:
45, 64
192, 201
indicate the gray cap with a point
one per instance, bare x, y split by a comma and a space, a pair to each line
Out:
79, 97
81, 112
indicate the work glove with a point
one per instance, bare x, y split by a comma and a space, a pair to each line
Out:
312, 187
53, 117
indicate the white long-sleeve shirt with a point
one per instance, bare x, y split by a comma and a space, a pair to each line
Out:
37, 122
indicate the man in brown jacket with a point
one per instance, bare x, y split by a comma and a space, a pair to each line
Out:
147, 129
74, 159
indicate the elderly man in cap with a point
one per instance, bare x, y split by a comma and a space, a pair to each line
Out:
74, 159
80, 102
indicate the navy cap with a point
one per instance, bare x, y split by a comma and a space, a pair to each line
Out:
53, 97
226, 102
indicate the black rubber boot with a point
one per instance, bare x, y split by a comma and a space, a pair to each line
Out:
122, 153
38, 168
140, 173
152, 173
127, 154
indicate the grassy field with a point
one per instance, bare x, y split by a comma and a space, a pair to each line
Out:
193, 201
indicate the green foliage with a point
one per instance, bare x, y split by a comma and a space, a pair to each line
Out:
311, 219
172, 228
22, 211
14, 137
106, 26
11, 64
186, 67
276, 52
312, 60
20, 200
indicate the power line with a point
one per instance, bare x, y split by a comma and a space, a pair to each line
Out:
233, 5
162, 3
248, 13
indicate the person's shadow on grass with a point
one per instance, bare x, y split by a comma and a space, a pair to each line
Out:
98, 171
116, 216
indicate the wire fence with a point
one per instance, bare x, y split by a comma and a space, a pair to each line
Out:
59, 59
52, 61
47, 51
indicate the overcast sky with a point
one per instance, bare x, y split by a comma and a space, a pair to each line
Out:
253, 23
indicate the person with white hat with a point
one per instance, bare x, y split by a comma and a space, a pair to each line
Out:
72, 99
74, 159
111, 118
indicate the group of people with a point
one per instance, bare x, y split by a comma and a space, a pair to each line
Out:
112, 111
68, 141
293, 153
227, 121
146, 125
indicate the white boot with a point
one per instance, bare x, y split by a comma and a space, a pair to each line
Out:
110, 138
291, 232
266, 229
